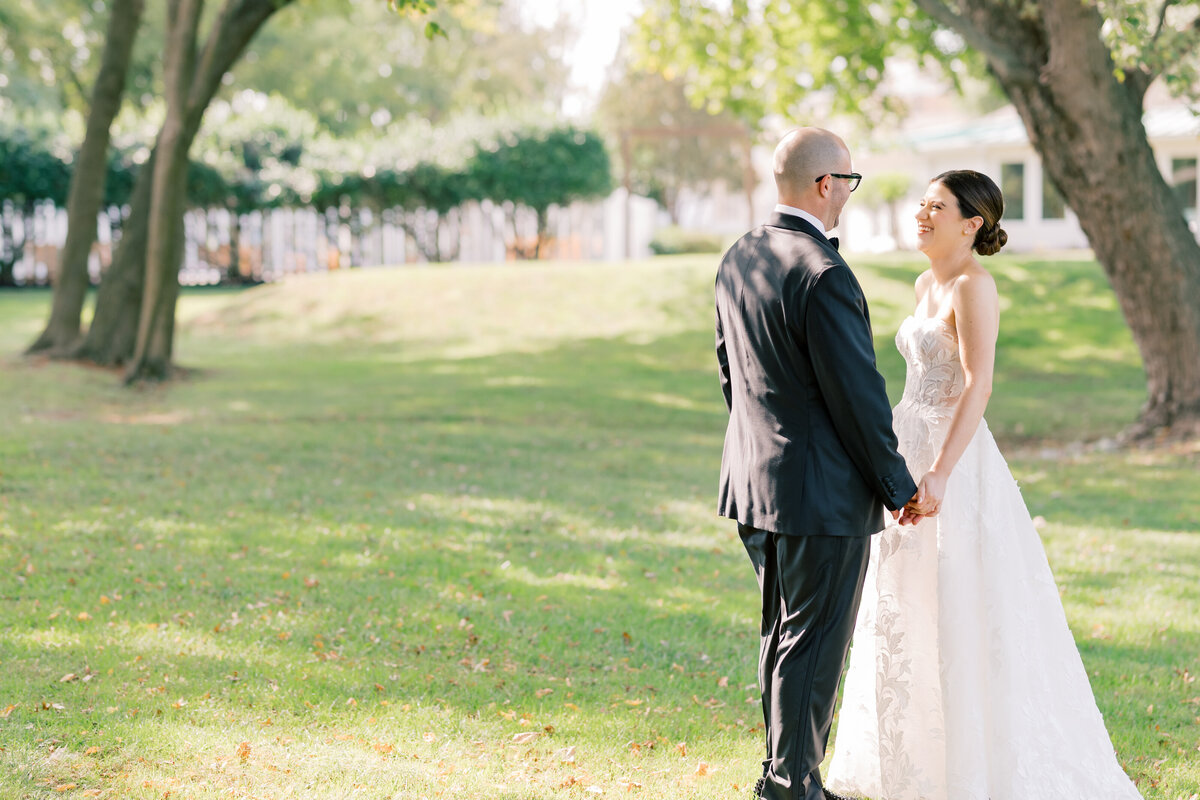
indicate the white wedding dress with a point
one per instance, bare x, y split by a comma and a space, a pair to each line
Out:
964, 681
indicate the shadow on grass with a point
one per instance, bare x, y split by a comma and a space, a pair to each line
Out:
528, 532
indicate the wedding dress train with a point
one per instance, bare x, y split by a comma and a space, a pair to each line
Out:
964, 680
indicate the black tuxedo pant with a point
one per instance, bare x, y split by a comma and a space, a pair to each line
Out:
811, 587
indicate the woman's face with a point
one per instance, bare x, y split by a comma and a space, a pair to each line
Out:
940, 225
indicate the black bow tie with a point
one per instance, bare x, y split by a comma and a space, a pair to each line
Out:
833, 240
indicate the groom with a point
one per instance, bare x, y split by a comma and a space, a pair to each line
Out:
810, 456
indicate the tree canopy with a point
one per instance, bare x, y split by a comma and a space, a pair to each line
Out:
758, 57
1076, 72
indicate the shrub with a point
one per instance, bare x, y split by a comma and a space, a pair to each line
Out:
674, 240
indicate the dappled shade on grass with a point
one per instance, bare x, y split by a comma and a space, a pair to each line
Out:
441, 532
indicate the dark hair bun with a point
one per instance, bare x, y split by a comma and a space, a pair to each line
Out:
990, 239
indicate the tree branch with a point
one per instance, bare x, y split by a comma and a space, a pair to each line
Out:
1137, 82
999, 55
1162, 20
1194, 29
74, 81
231, 32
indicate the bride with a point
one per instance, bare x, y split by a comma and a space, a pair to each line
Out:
964, 682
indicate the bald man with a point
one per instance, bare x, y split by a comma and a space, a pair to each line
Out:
810, 457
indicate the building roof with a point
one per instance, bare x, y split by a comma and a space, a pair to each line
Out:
1005, 127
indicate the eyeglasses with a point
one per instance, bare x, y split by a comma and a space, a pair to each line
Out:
854, 178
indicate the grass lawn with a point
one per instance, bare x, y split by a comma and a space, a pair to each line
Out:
441, 532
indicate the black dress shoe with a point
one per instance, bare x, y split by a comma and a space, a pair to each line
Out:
834, 795
758, 787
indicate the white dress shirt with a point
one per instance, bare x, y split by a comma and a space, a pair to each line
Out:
804, 215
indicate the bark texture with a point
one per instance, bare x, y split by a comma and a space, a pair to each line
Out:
135, 309
1086, 125
87, 181
152, 347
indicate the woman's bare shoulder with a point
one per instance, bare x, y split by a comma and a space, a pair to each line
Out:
976, 283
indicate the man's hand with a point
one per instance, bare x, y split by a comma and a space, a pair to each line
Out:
927, 502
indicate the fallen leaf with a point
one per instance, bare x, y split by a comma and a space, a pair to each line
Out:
525, 738
543, 692
723, 682
91, 751
702, 768
682, 748
65, 787
430, 737
7, 710
243, 751
566, 755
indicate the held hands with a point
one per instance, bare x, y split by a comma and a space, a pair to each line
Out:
927, 502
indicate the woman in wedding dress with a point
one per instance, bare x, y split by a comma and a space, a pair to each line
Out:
964, 681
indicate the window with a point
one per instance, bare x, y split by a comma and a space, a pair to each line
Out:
1012, 184
1183, 177
1053, 206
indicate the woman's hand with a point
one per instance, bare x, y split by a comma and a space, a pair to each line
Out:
927, 502
930, 493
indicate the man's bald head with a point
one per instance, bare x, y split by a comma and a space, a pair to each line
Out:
803, 156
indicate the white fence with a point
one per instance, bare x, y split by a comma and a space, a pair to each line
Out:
276, 243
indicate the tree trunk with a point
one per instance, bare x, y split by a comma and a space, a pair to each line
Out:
113, 335
1086, 125
10, 251
543, 222
234, 273
87, 181
151, 351
893, 213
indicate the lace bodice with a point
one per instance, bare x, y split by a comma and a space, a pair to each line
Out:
964, 681
935, 375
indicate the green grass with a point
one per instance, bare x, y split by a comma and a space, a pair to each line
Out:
448, 532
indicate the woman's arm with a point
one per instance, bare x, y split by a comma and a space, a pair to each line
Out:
977, 319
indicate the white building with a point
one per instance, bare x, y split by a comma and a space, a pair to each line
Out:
1036, 218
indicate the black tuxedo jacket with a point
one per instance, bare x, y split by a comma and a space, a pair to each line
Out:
810, 448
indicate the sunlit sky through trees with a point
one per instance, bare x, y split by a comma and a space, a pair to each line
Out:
599, 24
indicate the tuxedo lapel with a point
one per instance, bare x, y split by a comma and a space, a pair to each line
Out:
793, 223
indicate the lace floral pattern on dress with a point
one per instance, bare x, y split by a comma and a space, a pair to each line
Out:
964, 681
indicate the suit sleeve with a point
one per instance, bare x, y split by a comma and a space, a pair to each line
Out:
723, 365
843, 357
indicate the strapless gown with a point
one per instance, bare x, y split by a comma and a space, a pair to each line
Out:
964, 681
